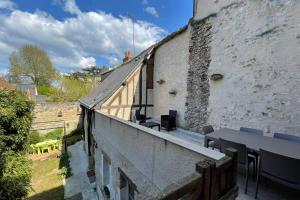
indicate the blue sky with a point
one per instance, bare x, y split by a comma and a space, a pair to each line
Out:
79, 33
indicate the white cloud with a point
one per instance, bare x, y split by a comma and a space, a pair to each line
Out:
152, 11
145, 2
76, 41
71, 7
7, 4
114, 60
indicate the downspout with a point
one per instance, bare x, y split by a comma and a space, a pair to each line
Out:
82, 119
141, 88
89, 118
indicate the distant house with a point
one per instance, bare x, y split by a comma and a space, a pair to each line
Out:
221, 69
6, 85
28, 87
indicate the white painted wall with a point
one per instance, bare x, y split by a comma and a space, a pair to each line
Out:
171, 65
151, 159
261, 85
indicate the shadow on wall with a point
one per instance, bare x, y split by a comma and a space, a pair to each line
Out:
55, 193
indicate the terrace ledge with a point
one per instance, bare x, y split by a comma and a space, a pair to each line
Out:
173, 139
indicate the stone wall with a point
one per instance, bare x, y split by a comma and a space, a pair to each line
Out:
197, 77
255, 45
54, 114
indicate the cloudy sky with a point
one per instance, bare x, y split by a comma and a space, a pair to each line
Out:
81, 33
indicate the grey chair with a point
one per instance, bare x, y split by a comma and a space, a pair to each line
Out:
206, 130
252, 130
278, 168
253, 153
282, 136
243, 159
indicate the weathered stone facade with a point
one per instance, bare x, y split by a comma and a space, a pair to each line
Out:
254, 45
197, 79
55, 114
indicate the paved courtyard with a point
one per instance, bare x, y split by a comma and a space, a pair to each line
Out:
78, 185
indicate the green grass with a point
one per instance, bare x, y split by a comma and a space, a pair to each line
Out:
46, 182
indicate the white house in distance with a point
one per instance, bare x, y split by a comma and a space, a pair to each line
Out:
235, 64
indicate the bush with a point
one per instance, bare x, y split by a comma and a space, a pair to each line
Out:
15, 176
53, 135
75, 136
45, 90
15, 122
34, 137
64, 166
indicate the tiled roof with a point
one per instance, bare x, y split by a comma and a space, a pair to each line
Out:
114, 81
119, 74
6, 85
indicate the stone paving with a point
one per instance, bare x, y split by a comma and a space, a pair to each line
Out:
78, 186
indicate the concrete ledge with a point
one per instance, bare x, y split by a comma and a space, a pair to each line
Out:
170, 138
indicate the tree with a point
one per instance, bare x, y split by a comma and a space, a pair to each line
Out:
15, 122
93, 70
34, 62
70, 89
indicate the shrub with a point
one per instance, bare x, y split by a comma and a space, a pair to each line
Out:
64, 166
74, 136
15, 123
53, 135
34, 137
15, 176
15, 120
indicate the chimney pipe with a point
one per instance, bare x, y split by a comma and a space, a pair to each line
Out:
127, 56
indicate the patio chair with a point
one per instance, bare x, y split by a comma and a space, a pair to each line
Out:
206, 130
33, 149
169, 121
44, 148
253, 153
252, 130
140, 117
282, 136
243, 159
278, 168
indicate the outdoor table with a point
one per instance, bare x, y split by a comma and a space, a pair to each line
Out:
256, 142
151, 125
47, 144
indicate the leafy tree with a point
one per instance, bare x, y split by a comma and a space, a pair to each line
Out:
15, 123
70, 89
34, 62
15, 120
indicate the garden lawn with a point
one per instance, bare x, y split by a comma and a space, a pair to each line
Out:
46, 182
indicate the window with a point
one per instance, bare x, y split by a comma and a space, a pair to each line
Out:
106, 171
127, 187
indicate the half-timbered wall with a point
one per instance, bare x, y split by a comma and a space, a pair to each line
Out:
126, 99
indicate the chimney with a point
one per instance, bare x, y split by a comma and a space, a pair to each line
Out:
127, 56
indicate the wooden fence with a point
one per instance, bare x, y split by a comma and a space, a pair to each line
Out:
213, 181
